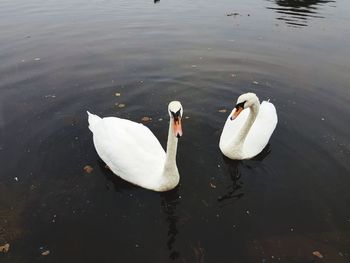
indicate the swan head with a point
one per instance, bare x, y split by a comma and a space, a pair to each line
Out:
175, 112
244, 101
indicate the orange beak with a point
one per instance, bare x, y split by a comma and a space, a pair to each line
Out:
236, 113
177, 127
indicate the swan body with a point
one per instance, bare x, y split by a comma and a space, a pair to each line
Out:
248, 128
132, 151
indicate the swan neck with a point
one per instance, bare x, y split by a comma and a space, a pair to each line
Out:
170, 175
254, 110
171, 148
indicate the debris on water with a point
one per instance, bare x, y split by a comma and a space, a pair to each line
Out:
212, 185
194, 66
88, 169
341, 254
160, 119
248, 15
45, 253
233, 75
322, 119
145, 119
219, 165
187, 117
50, 96
136, 245
317, 254
205, 203
247, 212
16, 179
292, 229
199, 253
232, 14
121, 105
223, 111
255, 82
5, 248
117, 94
37, 59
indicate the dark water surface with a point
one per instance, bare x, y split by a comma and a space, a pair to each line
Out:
61, 58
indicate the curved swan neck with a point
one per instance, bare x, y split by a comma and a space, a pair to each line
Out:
242, 135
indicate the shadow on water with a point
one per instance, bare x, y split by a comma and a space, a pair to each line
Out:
169, 202
118, 183
234, 189
296, 13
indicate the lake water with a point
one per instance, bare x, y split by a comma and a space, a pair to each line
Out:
61, 58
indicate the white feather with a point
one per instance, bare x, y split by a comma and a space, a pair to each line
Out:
257, 137
132, 152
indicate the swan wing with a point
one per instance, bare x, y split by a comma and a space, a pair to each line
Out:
130, 150
261, 130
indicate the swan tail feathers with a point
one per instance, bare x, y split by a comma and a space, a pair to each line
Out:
93, 119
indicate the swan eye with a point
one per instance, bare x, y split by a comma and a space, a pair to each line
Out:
176, 114
240, 105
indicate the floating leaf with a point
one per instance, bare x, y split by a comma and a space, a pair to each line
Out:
317, 254
212, 185
117, 94
45, 253
5, 248
223, 111
145, 119
121, 105
88, 169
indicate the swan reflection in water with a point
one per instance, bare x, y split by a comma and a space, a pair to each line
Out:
169, 202
234, 187
295, 13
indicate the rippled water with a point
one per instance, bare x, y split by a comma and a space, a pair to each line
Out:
296, 13
61, 58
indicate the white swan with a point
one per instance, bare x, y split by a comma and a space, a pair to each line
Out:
248, 128
132, 151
